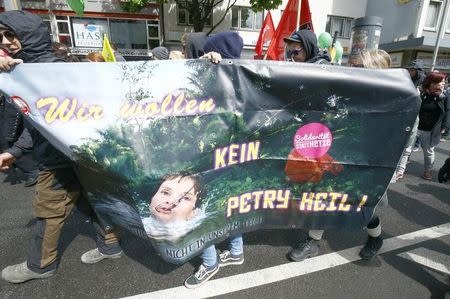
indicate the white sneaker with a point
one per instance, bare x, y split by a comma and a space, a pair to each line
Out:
20, 273
94, 256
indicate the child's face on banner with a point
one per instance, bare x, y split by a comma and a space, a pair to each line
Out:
175, 200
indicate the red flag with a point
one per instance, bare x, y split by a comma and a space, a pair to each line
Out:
287, 25
266, 34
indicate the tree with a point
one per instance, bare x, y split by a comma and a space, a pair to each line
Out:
201, 10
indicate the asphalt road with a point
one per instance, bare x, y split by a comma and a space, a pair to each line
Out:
414, 205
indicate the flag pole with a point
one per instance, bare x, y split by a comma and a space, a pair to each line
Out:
440, 34
298, 14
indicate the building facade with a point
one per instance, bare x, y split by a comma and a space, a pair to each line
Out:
410, 30
134, 35
327, 15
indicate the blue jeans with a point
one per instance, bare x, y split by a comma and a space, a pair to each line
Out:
209, 255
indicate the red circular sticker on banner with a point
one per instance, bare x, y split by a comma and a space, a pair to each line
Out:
313, 140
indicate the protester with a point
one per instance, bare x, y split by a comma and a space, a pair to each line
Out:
62, 51
174, 55
227, 45
434, 117
310, 247
95, 57
194, 45
301, 46
160, 53
27, 39
117, 55
415, 69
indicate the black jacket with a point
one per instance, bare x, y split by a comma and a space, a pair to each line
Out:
322, 57
12, 130
443, 122
34, 37
11, 122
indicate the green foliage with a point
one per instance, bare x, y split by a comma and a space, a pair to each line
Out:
260, 5
133, 6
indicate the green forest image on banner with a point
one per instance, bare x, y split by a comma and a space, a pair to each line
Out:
188, 153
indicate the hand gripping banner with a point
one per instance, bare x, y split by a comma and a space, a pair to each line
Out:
187, 153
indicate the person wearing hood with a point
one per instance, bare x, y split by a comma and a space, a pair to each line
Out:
415, 69
194, 45
301, 46
26, 38
227, 45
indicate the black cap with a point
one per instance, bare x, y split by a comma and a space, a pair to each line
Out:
295, 37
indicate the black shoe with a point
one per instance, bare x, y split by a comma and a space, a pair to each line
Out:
371, 248
307, 249
202, 275
31, 181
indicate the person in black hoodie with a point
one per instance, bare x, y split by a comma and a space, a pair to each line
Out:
415, 69
27, 39
194, 45
301, 46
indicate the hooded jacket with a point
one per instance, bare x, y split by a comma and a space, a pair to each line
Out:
227, 44
194, 44
418, 66
36, 45
308, 40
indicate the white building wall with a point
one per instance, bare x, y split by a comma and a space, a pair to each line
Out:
320, 9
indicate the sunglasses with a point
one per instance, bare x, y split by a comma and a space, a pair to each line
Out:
290, 53
296, 51
9, 35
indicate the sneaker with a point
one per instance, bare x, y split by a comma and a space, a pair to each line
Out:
202, 275
371, 248
307, 249
20, 273
227, 259
427, 175
94, 256
415, 148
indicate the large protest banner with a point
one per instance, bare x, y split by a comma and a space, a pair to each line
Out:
188, 152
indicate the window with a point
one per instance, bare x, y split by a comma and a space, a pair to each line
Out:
245, 18
433, 14
342, 25
184, 17
128, 34
153, 34
62, 23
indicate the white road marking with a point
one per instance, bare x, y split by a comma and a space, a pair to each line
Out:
429, 258
286, 271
